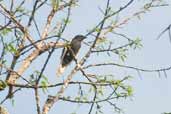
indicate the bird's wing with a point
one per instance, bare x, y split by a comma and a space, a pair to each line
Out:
63, 53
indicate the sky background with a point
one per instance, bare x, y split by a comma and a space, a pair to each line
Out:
152, 94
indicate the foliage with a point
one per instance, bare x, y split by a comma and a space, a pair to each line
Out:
28, 45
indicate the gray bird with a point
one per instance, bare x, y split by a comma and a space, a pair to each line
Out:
69, 53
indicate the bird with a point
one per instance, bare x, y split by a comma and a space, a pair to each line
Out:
69, 52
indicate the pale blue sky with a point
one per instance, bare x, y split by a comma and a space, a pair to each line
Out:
151, 94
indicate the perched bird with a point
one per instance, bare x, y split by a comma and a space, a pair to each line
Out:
69, 53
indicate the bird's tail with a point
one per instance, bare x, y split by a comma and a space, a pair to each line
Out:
60, 70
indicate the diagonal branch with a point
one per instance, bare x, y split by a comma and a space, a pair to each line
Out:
26, 63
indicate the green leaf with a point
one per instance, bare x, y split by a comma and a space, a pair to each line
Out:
44, 88
44, 83
2, 85
77, 98
118, 82
100, 90
122, 53
10, 47
55, 4
85, 98
45, 79
101, 40
20, 9
97, 29
66, 21
129, 90
12, 101
147, 6
37, 73
137, 43
5, 31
